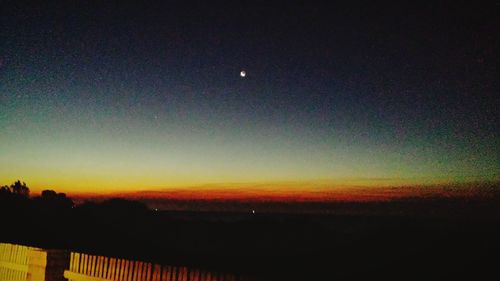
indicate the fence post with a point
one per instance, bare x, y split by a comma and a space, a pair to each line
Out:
37, 261
47, 265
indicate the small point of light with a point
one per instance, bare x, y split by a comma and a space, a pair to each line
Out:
253, 211
243, 73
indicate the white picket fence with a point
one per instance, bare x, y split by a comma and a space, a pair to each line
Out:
13, 262
22, 263
85, 267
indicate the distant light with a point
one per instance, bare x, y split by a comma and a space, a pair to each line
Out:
253, 211
243, 73
156, 209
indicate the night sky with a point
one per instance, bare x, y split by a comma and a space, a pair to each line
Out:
113, 95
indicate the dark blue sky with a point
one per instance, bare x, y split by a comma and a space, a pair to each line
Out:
150, 92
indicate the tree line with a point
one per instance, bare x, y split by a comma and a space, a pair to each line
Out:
19, 191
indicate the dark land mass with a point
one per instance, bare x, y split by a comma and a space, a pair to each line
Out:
443, 238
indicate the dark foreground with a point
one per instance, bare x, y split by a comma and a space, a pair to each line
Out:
448, 239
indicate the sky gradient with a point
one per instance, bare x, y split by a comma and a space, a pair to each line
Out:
101, 96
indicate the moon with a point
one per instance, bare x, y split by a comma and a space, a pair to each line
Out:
243, 73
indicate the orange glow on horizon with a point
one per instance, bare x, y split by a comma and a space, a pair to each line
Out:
305, 193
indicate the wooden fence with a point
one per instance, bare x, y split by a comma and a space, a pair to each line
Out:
13, 262
21, 263
85, 267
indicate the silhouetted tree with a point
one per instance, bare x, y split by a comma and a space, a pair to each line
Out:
5, 190
49, 194
20, 188
50, 198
